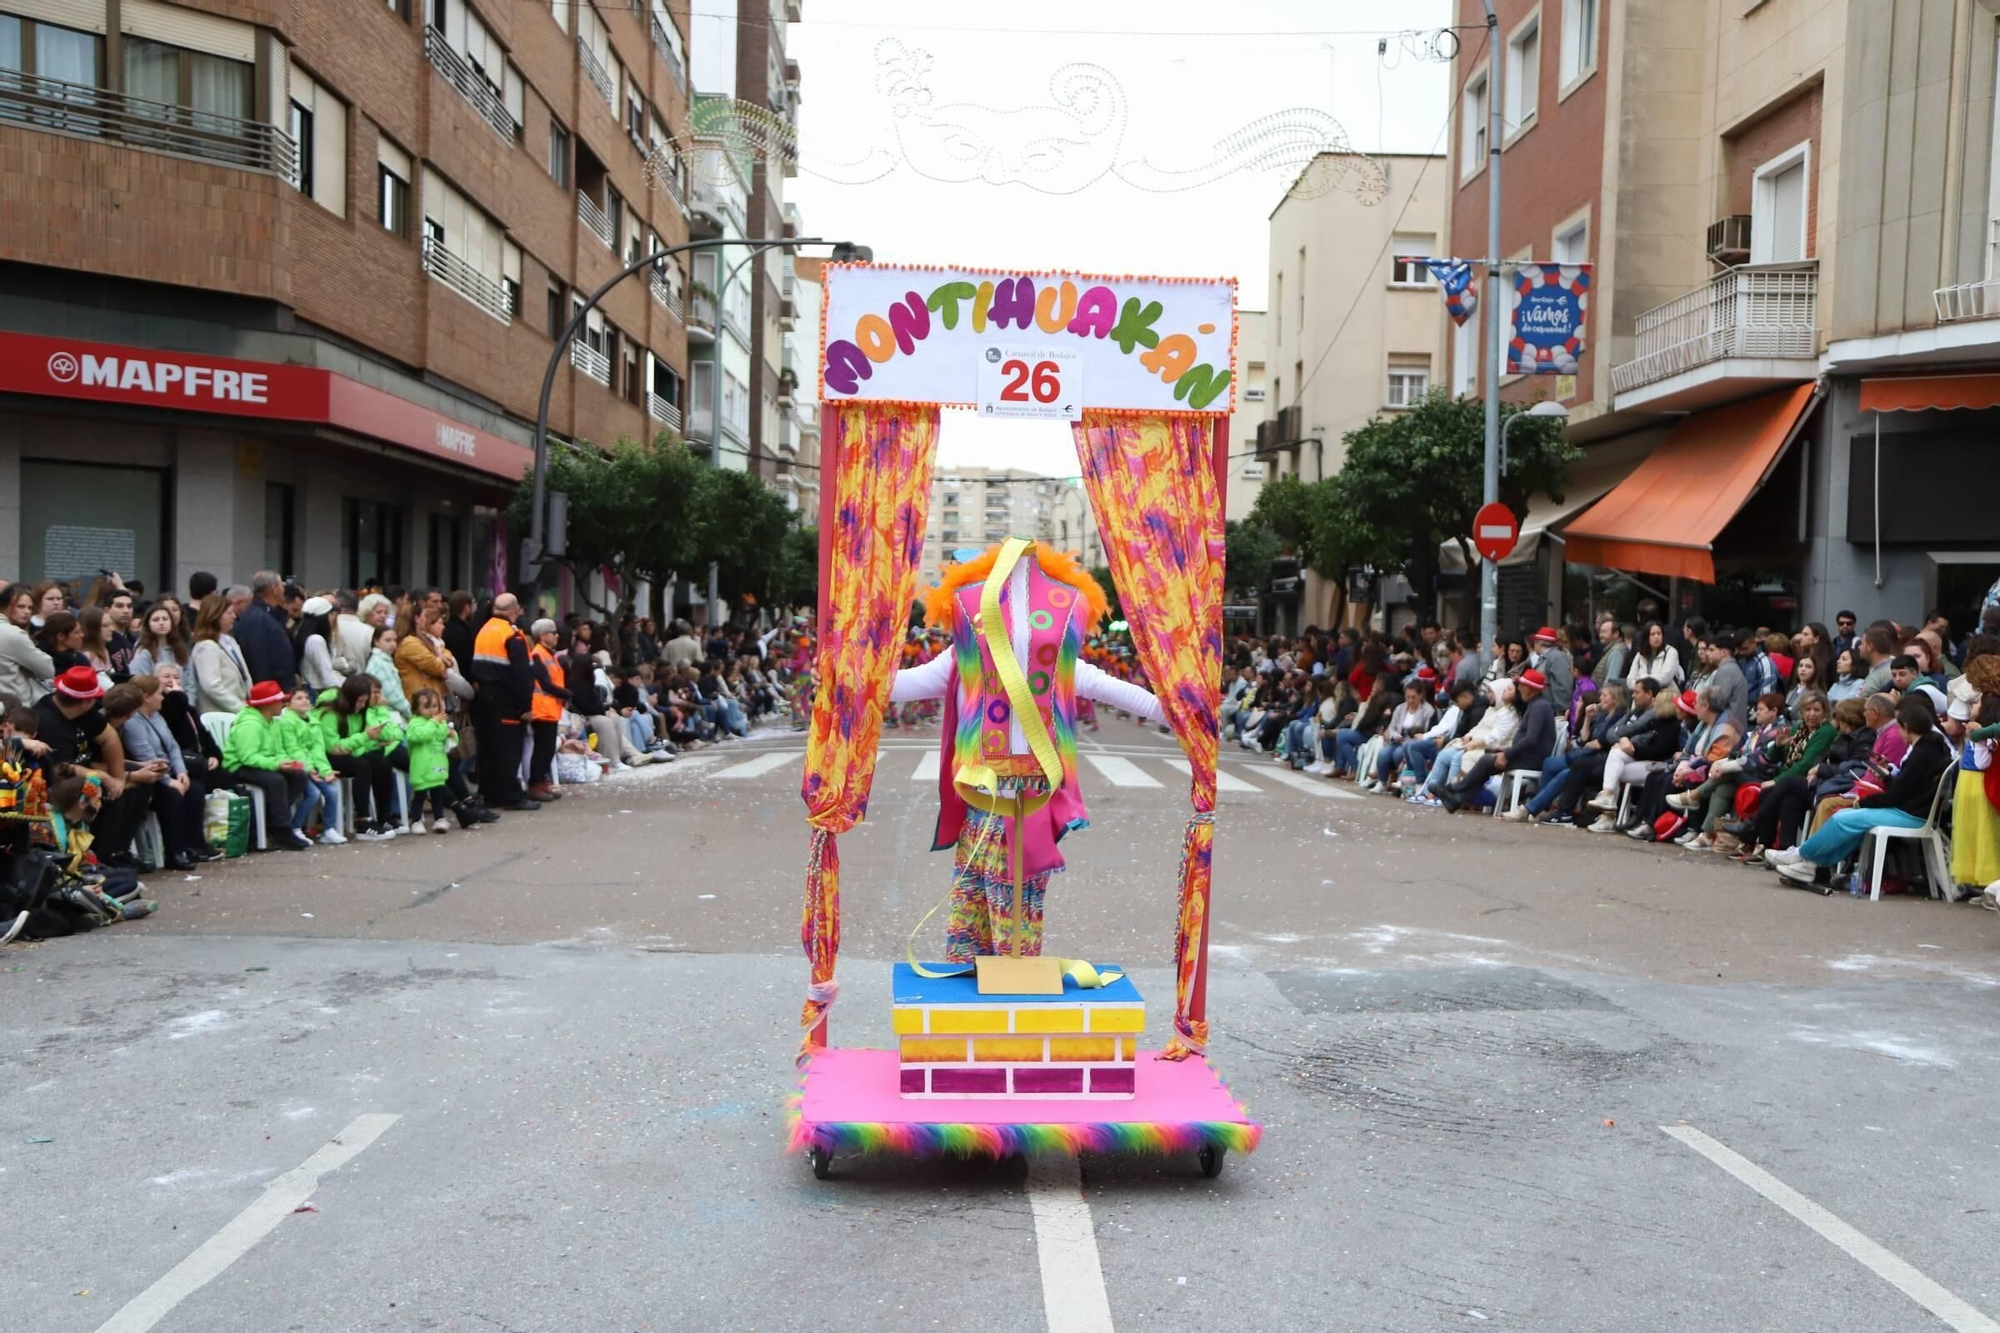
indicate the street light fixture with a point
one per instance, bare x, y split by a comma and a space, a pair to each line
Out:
537, 516
1548, 407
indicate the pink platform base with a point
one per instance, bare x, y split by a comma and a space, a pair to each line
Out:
850, 1104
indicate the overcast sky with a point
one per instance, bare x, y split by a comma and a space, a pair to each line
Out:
1190, 73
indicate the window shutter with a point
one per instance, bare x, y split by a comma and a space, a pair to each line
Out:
1788, 214
329, 151
392, 157
188, 28
514, 95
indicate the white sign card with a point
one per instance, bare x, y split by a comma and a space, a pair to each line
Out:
918, 334
1031, 382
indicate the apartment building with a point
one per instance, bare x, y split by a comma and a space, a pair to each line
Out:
1354, 329
740, 55
278, 286
1248, 469
974, 507
1791, 210
798, 384
719, 340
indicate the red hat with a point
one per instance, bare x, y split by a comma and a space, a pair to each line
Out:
1545, 635
1686, 703
267, 692
1425, 673
80, 682
1533, 679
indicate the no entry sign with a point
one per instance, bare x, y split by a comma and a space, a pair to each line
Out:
1494, 531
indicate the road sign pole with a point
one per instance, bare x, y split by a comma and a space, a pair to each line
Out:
1489, 573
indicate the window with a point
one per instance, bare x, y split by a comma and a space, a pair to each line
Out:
447, 539
301, 128
319, 129
1778, 207
510, 276
558, 310
558, 153
44, 49
392, 177
1572, 243
1278, 307
1409, 380
1406, 249
371, 543
1522, 84
703, 398
559, 10
1579, 40
278, 526
1301, 284
1465, 356
1472, 129
160, 72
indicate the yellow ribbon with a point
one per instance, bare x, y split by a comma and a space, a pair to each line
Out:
978, 784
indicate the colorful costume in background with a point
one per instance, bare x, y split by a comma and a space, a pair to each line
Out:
1006, 789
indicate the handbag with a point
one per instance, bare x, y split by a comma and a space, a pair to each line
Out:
457, 684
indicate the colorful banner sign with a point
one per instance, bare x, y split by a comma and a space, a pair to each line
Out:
1454, 278
917, 334
1547, 307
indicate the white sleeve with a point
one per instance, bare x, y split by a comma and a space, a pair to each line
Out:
1113, 692
922, 682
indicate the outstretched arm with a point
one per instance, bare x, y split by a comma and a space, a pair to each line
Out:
1108, 689
922, 682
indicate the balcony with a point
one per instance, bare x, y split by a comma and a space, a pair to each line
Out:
1748, 329
1278, 434
664, 293
734, 320
738, 431
675, 65
1967, 301
664, 173
700, 427
701, 327
471, 84
593, 219
81, 111
594, 70
788, 389
788, 440
484, 292
590, 361
662, 411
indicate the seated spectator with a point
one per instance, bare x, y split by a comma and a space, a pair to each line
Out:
1648, 737
1411, 719
1582, 764
1783, 805
1850, 677
1654, 658
303, 743
253, 755
1781, 760
1368, 720
382, 666
160, 642
312, 645
1422, 751
71, 721
219, 677
175, 796
1713, 797
26, 669
1494, 730
358, 747
1533, 742
1905, 802
1713, 737
590, 701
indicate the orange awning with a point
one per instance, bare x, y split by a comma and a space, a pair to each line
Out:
1664, 518
1925, 393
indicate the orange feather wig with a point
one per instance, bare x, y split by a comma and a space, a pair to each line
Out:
1066, 569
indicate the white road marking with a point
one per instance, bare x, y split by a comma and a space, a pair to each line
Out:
1891, 1269
1224, 779
1306, 782
1073, 1296
248, 1227
689, 762
927, 768
1121, 772
758, 767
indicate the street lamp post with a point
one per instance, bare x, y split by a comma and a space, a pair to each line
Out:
538, 512
1489, 576
1548, 407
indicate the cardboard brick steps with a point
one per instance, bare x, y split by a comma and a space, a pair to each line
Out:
958, 1043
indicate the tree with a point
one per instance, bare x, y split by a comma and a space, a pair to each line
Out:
740, 524
1251, 547
629, 512
1102, 573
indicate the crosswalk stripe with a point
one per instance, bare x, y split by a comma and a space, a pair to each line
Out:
1224, 779
1121, 772
1317, 786
758, 767
692, 761
927, 768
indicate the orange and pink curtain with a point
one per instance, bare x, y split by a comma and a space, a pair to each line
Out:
1152, 483
882, 485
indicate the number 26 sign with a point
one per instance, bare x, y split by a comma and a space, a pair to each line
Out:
1030, 382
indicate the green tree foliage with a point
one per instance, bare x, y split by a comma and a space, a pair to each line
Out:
1102, 573
651, 511
1251, 547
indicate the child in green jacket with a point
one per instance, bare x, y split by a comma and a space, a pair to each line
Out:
430, 741
253, 755
359, 736
299, 734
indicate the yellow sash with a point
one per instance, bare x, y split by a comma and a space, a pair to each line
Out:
978, 785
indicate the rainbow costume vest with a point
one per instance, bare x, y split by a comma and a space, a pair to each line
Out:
981, 740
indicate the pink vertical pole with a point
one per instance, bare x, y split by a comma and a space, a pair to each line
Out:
829, 507
1198, 994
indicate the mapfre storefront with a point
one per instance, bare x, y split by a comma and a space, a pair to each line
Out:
157, 463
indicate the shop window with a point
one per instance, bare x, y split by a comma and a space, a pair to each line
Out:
447, 541
371, 543
278, 501
79, 519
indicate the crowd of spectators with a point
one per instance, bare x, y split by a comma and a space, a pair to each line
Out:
371, 715
1778, 749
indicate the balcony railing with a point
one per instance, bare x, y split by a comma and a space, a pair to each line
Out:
596, 73
81, 111
484, 292
664, 293
593, 219
700, 427
1766, 311
738, 431
1968, 300
471, 84
732, 320
662, 411
670, 181
704, 312
674, 63
590, 361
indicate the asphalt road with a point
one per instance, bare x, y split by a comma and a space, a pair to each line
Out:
534, 1078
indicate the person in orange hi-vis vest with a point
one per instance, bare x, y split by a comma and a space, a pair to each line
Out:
546, 714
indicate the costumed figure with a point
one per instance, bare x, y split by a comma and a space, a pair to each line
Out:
1007, 780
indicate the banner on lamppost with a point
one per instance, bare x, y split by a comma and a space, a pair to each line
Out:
1547, 308
1454, 279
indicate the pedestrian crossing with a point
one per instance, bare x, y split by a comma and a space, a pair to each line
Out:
1133, 772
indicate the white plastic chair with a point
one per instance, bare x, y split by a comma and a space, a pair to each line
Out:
1631, 780
218, 725
150, 846
1506, 788
1936, 849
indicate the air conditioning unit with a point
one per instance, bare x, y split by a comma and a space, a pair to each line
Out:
1729, 239
1288, 424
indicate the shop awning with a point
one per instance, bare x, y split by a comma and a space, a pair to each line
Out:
1664, 518
1929, 393
1590, 478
